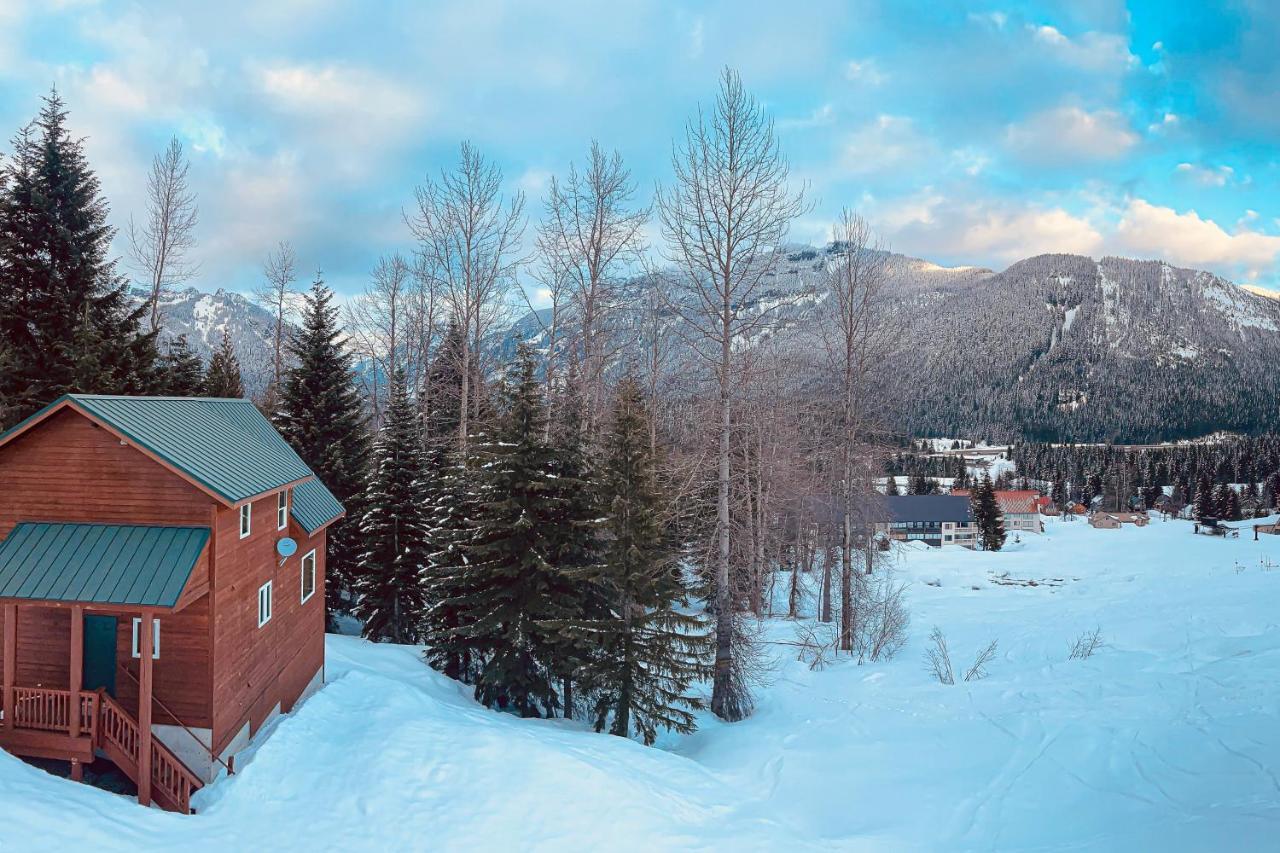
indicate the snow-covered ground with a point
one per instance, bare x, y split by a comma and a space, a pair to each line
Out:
1167, 739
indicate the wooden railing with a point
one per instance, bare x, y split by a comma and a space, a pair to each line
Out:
213, 756
170, 778
50, 710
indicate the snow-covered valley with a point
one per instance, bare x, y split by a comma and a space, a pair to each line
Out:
1168, 738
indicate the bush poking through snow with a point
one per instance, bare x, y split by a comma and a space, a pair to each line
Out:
978, 671
938, 658
1086, 644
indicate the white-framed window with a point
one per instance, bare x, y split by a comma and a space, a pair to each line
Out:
282, 510
246, 519
264, 604
137, 638
308, 575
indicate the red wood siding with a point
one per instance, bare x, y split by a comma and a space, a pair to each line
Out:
181, 677
257, 668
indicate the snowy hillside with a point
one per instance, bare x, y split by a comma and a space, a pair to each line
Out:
1168, 738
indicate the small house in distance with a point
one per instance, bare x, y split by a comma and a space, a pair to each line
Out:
161, 585
936, 520
1114, 520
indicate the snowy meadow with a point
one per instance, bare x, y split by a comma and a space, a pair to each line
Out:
1164, 738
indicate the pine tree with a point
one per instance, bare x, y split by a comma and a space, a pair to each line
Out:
447, 577
393, 527
181, 374
986, 514
651, 652
1206, 501
222, 379
322, 417
65, 319
961, 480
1226, 503
515, 595
891, 486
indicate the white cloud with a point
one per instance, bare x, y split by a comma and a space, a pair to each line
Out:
820, 117
1167, 122
1148, 230
338, 90
864, 71
993, 19
1070, 134
533, 181
887, 143
1093, 51
1206, 176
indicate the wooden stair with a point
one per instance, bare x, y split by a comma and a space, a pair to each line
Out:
120, 739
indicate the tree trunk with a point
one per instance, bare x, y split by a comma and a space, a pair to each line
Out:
723, 702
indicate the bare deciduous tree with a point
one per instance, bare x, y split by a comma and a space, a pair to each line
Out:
468, 244
278, 295
378, 320
590, 238
725, 217
857, 338
158, 247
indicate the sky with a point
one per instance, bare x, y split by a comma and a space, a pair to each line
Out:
967, 133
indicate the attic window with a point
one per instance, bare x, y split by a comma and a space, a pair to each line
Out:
282, 510
246, 515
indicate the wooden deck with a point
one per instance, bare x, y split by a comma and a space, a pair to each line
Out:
48, 724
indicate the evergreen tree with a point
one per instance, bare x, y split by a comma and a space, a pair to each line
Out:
986, 514
181, 373
891, 486
961, 480
1226, 503
222, 379
1206, 501
322, 417
447, 577
393, 527
574, 549
65, 319
514, 592
651, 652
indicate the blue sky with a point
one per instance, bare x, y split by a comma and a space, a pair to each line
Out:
968, 133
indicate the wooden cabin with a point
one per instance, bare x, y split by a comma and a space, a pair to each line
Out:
161, 585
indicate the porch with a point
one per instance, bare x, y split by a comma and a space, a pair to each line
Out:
78, 725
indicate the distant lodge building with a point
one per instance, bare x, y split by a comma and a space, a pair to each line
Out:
1020, 507
935, 520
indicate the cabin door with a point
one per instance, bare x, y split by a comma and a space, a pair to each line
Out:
100, 653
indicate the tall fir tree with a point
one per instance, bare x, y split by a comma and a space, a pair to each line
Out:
393, 527
1206, 499
891, 486
514, 593
447, 577
181, 372
322, 416
65, 318
651, 651
986, 514
222, 379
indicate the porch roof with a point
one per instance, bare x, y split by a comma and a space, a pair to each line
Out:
121, 564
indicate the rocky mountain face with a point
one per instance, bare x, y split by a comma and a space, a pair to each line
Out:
202, 317
1056, 347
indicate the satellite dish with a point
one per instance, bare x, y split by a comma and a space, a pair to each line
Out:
286, 547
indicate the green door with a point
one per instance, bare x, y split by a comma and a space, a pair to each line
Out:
100, 653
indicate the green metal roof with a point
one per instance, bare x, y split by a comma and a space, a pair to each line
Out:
314, 505
224, 444
122, 564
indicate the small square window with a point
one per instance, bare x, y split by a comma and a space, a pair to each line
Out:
137, 638
264, 604
246, 518
308, 576
282, 510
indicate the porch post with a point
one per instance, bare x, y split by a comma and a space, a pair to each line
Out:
144, 706
77, 666
10, 661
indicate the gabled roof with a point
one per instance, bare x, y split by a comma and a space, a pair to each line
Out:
224, 446
314, 506
935, 508
1015, 501
122, 564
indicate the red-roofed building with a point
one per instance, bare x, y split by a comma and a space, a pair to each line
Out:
1020, 508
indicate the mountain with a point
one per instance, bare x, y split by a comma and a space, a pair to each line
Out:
1056, 347
202, 317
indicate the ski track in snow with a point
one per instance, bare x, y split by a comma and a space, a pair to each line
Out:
1168, 738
